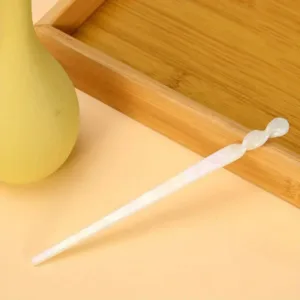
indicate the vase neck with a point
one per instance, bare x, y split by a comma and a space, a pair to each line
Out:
16, 19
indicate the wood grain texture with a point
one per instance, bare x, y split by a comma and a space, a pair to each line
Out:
68, 15
172, 114
238, 58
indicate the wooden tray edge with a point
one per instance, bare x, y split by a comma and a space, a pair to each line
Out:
170, 113
68, 15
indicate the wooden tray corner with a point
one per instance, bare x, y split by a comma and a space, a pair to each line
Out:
202, 73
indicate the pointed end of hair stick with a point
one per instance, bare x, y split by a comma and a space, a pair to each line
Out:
36, 261
41, 258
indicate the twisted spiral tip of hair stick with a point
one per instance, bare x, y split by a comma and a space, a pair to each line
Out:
256, 138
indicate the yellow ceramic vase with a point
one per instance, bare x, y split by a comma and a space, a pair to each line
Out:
39, 111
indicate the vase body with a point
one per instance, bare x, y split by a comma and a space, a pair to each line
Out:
39, 111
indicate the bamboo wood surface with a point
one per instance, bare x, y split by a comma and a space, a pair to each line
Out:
174, 115
68, 15
238, 58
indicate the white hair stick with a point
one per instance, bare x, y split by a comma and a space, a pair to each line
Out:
276, 128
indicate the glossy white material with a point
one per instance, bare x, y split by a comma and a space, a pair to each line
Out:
276, 128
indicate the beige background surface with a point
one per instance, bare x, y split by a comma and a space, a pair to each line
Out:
220, 238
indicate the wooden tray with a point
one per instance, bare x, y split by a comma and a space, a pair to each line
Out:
201, 72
